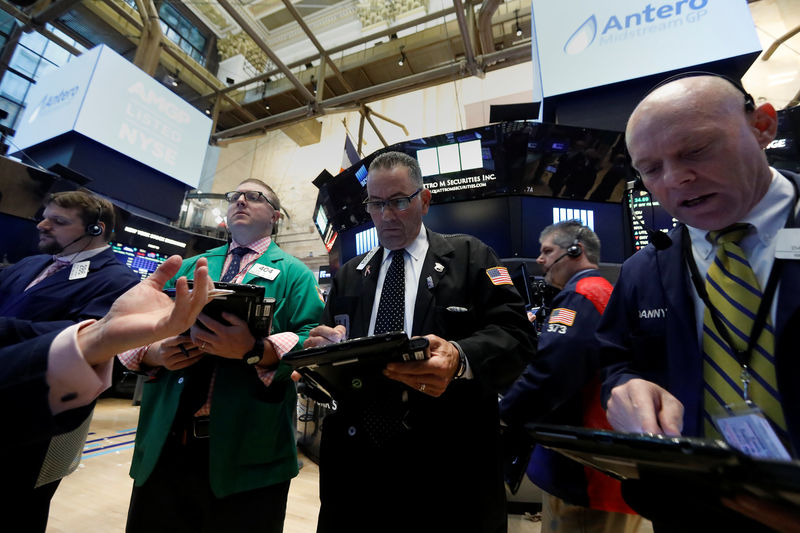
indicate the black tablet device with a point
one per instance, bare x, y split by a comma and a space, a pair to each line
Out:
353, 368
245, 301
381, 348
706, 462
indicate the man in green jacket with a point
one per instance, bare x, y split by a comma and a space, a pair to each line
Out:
215, 445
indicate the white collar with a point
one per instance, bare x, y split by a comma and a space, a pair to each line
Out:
768, 216
418, 247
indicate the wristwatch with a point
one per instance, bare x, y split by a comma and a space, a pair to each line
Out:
462, 365
256, 353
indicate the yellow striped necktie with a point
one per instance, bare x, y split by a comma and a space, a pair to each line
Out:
734, 291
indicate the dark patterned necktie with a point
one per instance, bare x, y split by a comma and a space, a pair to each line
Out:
382, 412
391, 310
236, 262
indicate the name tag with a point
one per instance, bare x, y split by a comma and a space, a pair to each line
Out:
79, 270
263, 271
367, 258
787, 244
749, 431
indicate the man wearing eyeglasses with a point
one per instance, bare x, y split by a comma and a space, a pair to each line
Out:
421, 451
215, 445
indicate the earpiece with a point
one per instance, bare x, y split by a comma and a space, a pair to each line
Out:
95, 229
574, 250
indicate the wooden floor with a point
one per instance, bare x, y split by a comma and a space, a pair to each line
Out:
94, 499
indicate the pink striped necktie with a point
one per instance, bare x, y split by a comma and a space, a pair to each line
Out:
57, 264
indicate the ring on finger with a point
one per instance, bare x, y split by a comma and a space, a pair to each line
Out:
422, 387
203, 347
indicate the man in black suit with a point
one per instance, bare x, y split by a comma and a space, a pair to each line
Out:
419, 450
52, 380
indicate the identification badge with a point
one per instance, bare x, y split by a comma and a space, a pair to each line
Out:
263, 271
748, 430
368, 257
79, 270
787, 244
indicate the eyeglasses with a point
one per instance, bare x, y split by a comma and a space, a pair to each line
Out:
250, 196
400, 203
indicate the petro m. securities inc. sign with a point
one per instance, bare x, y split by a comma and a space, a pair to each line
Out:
597, 43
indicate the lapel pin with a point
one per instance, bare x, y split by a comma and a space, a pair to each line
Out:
438, 267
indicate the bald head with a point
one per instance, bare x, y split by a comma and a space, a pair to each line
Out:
700, 152
703, 95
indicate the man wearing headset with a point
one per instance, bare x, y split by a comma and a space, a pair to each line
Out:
698, 143
561, 385
76, 278
77, 275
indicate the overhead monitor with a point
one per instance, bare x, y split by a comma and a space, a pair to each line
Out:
599, 43
104, 97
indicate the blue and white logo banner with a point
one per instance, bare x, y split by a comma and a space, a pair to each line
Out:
593, 43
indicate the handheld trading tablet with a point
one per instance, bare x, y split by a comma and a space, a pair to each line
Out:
705, 462
245, 301
355, 365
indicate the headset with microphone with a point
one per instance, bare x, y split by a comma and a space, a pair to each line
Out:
659, 239
92, 230
574, 250
95, 229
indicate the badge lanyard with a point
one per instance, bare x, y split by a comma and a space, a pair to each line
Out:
742, 356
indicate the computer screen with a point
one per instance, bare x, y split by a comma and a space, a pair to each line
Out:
605, 219
143, 262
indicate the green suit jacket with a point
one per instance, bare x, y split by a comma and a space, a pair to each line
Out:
252, 435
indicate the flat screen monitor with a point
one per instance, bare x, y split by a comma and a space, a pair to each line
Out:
143, 262
488, 219
605, 219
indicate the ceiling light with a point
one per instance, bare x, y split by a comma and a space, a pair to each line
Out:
516, 17
403, 58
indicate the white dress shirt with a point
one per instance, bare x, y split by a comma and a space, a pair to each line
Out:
413, 259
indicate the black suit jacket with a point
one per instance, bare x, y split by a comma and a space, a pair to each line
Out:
453, 440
